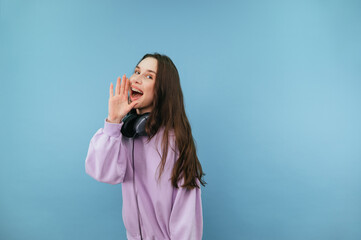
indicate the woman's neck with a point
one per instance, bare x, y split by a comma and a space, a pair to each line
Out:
141, 111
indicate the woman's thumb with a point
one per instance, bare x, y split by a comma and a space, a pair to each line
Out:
133, 104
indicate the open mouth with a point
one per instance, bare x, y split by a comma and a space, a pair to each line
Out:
135, 93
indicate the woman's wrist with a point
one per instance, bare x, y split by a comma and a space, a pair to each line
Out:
110, 120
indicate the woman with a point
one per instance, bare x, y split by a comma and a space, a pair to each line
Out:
159, 170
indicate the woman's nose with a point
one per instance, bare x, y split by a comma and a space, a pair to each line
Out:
136, 79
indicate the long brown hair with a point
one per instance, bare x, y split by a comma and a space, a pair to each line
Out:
168, 112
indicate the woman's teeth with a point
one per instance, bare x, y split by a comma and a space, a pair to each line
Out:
136, 90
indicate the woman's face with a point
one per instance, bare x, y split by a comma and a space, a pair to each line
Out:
142, 84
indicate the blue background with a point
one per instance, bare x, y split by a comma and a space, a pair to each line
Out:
272, 90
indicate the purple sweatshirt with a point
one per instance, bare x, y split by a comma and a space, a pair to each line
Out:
151, 210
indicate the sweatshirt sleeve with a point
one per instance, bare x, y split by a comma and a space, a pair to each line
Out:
106, 158
186, 219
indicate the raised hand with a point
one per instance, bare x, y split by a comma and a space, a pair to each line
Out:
118, 105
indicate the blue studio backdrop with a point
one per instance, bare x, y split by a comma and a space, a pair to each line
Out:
272, 90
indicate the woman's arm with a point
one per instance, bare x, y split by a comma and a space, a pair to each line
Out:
106, 158
186, 220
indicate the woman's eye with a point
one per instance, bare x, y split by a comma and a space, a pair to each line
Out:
150, 76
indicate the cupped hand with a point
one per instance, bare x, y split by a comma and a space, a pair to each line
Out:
118, 105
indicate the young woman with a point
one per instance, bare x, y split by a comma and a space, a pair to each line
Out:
159, 171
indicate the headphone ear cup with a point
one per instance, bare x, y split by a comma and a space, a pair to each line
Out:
134, 124
128, 125
139, 125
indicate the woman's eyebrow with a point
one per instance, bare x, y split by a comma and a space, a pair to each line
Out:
147, 70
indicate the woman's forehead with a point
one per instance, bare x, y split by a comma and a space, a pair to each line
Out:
148, 64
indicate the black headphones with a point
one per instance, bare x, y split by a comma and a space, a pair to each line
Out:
134, 124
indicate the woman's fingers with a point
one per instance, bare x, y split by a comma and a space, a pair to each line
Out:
111, 90
126, 89
117, 86
121, 90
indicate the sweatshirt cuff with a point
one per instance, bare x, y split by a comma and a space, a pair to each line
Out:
112, 129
